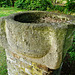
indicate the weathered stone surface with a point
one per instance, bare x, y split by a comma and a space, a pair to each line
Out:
21, 66
3, 40
40, 37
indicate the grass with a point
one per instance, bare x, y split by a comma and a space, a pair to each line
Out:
69, 60
3, 64
7, 11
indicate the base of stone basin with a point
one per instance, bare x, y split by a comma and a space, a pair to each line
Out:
18, 65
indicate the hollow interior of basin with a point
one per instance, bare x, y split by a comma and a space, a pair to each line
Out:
40, 17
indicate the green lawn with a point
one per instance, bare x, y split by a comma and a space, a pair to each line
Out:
3, 65
7, 11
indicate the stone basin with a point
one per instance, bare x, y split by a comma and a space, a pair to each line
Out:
39, 36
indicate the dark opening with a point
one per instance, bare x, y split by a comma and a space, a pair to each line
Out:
28, 17
38, 17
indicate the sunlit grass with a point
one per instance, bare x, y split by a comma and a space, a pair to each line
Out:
7, 11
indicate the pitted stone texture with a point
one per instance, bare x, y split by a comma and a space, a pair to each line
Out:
18, 65
3, 40
41, 37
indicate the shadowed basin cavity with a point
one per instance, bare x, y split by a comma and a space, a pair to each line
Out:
40, 17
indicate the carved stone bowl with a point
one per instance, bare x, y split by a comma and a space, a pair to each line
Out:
42, 37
